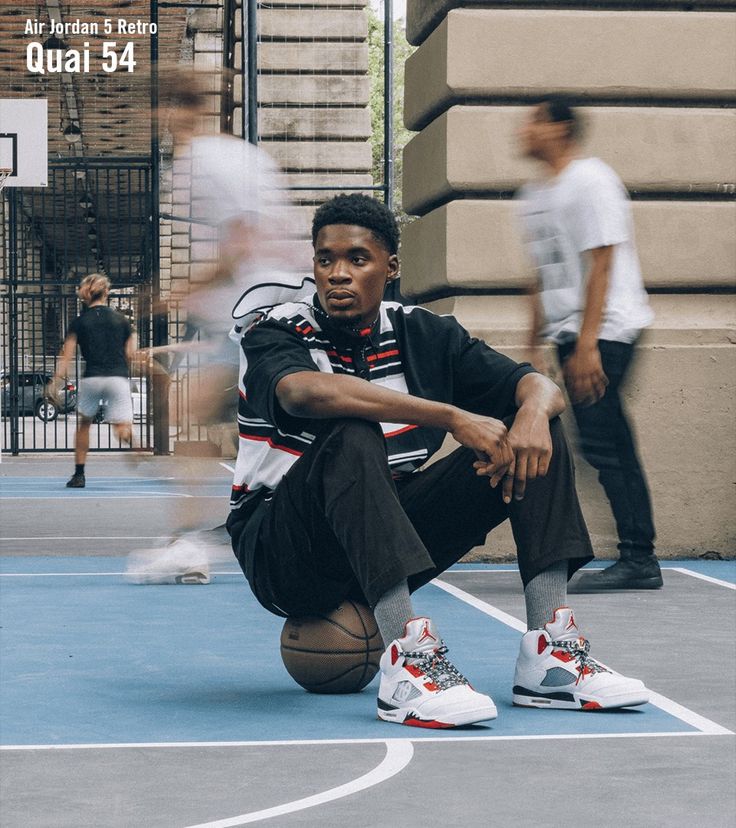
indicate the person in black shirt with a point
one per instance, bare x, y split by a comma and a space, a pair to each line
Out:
107, 344
343, 399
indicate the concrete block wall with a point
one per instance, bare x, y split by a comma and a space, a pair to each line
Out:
656, 83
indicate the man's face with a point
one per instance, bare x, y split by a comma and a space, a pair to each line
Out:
351, 269
538, 134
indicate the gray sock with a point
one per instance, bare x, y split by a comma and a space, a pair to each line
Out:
392, 612
544, 594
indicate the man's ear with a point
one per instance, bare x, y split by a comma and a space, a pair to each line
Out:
393, 267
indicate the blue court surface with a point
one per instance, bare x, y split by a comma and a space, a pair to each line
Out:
89, 659
29, 488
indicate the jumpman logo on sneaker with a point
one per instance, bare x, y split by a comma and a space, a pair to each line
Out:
425, 634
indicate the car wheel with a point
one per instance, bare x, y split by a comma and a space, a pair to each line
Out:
46, 410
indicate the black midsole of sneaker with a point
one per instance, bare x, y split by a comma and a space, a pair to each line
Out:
556, 696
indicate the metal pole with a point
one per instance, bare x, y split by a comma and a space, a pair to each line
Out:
160, 321
13, 321
243, 70
388, 102
252, 71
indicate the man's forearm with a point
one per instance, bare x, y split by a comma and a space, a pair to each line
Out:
66, 356
315, 395
595, 296
536, 322
537, 394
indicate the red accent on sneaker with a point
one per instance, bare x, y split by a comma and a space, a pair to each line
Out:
414, 670
425, 634
541, 644
563, 655
571, 623
412, 722
431, 686
394, 654
591, 706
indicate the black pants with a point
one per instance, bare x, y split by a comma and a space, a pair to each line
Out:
338, 525
607, 443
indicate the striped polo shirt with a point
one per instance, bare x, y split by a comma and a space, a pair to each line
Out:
407, 349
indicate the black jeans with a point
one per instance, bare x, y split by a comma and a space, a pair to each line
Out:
339, 526
607, 443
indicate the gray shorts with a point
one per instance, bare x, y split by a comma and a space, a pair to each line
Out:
112, 392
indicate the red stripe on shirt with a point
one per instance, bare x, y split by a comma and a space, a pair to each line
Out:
383, 354
399, 431
270, 443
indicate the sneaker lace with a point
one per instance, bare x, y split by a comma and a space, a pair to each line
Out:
579, 649
440, 670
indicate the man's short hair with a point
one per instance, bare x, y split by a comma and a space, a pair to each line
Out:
185, 87
363, 211
559, 110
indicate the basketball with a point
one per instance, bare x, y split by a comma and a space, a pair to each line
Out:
334, 653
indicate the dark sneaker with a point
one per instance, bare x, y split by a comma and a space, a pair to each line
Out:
76, 481
631, 573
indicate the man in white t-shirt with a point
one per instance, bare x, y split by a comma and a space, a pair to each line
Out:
238, 190
589, 300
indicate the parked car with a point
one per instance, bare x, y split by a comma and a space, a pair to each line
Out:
32, 398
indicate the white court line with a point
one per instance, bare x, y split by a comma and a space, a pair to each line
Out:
488, 609
686, 715
93, 496
398, 755
517, 737
707, 578
39, 539
229, 468
87, 574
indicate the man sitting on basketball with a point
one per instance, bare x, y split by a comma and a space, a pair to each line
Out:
343, 400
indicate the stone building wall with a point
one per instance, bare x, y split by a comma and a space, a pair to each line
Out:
657, 85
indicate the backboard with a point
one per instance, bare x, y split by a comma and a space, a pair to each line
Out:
24, 141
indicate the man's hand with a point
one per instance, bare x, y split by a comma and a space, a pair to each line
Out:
584, 377
532, 445
489, 439
51, 391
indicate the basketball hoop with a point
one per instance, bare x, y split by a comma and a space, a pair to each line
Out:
5, 173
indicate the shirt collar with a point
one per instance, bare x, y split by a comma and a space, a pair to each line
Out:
345, 334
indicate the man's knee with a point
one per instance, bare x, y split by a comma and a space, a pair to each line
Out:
352, 434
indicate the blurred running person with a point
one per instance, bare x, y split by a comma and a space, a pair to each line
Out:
589, 300
237, 189
107, 343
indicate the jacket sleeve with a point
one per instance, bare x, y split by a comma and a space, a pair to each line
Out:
485, 380
273, 350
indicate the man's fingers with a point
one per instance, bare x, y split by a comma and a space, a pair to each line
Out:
532, 467
507, 488
520, 475
544, 461
599, 384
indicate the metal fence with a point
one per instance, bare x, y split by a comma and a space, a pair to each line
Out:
104, 213
95, 215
